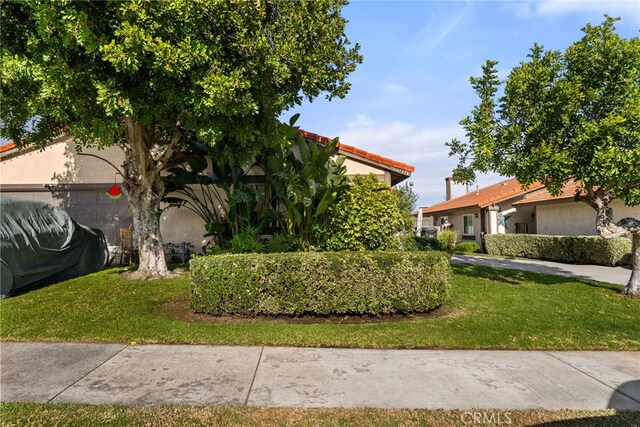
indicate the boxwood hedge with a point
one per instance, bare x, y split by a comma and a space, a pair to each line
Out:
322, 283
569, 249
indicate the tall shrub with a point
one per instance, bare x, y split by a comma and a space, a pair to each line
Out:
366, 217
448, 239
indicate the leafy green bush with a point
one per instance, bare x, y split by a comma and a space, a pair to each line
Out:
447, 239
570, 249
281, 242
321, 283
470, 247
212, 250
247, 241
410, 242
428, 244
366, 217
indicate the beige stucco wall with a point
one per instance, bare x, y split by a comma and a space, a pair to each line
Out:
576, 218
456, 219
356, 168
60, 164
183, 225
523, 214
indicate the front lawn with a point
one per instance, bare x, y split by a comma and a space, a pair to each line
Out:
489, 308
38, 414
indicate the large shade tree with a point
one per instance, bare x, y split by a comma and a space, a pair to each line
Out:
565, 116
145, 75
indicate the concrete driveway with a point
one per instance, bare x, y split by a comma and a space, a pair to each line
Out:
617, 275
318, 377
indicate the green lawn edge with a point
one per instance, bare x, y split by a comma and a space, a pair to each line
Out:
58, 414
488, 308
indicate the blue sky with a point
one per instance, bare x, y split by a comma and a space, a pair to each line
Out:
413, 88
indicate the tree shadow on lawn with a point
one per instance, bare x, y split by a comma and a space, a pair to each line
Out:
624, 399
519, 277
621, 419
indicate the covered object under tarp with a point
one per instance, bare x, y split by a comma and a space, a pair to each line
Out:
41, 243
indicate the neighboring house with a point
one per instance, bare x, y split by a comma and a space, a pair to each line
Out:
563, 215
477, 212
77, 183
507, 207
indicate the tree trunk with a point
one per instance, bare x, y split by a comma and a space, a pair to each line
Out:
633, 287
144, 188
608, 229
145, 204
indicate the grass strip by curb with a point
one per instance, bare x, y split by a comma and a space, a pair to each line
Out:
34, 414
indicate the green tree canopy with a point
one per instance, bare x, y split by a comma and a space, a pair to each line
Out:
572, 115
144, 75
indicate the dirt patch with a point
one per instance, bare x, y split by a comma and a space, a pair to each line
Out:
178, 309
138, 275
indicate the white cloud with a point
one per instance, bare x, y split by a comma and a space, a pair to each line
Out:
627, 9
422, 147
361, 121
419, 146
394, 88
440, 24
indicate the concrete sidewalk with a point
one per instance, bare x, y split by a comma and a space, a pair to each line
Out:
305, 377
617, 275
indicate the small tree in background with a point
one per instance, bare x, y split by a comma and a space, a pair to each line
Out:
143, 76
565, 116
407, 200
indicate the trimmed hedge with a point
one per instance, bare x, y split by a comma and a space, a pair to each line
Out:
448, 239
467, 247
569, 249
319, 283
410, 242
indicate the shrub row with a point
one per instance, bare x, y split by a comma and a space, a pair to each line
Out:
410, 242
569, 249
467, 247
322, 283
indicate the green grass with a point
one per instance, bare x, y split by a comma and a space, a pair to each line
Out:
489, 308
32, 414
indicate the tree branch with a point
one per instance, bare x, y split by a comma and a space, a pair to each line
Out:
607, 228
622, 228
168, 152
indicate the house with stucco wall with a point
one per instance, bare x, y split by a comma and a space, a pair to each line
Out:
563, 215
508, 207
76, 182
480, 211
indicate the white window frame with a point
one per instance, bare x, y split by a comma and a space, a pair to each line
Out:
464, 225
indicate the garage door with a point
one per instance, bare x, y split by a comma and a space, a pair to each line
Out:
88, 206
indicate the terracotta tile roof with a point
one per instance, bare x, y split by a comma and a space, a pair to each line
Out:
362, 153
483, 197
542, 195
322, 140
7, 146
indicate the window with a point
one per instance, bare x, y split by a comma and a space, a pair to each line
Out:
468, 225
